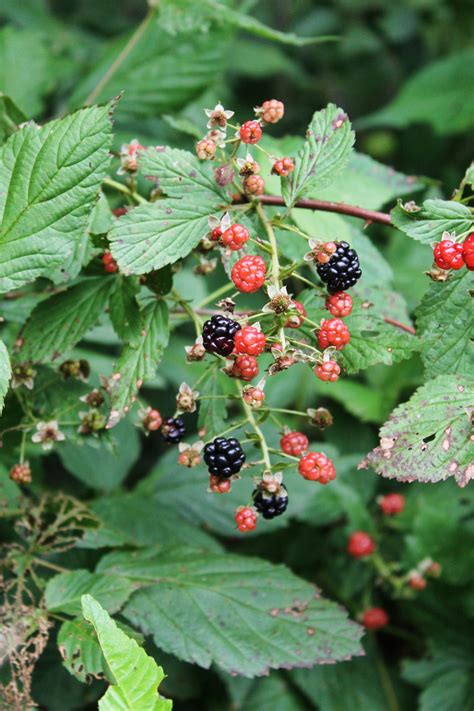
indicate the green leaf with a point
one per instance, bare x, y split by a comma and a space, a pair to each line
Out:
435, 95
219, 601
140, 520
272, 693
435, 217
161, 73
365, 181
58, 323
187, 15
445, 676
49, 182
25, 68
63, 592
138, 364
427, 438
179, 174
151, 236
103, 462
212, 412
10, 117
124, 310
374, 341
137, 675
444, 327
357, 680
324, 154
5, 373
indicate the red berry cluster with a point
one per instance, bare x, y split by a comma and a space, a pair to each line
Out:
455, 255
110, 265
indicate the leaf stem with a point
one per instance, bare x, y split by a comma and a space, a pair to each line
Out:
132, 42
121, 188
256, 428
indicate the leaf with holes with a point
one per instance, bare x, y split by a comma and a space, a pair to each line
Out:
49, 181
138, 363
435, 217
136, 675
58, 323
81, 652
446, 327
374, 341
325, 152
427, 439
243, 614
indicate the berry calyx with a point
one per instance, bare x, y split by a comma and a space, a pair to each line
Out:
283, 167
342, 270
173, 429
271, 111
244, 367
297, 316
250, 132
224, 457
235, 236
328, 371
269, 504
294, 443
248, 274
374, 618
110, 265
250, 341
218, 485
333, 332
218, 334
448, 254
21, 473
254, 185
246, 518
151, 420
416, 581
468, 251
392, 504
315, 466
360, 545
339, 304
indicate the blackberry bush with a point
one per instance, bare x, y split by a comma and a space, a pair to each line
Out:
199, 314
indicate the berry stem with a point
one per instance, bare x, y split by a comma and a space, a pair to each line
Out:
256, 428
221, 291
287, 412
132, 42
275, 261
342, 208
283, 454
189, 310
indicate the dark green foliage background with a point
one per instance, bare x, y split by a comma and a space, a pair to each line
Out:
50, 58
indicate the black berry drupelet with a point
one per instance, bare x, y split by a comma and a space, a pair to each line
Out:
224, 457
173, 429
342, 270
218, 335
270, 505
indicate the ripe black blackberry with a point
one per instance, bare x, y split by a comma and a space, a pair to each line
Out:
218, 335
270, 505
342, 270
224, 457
173, 429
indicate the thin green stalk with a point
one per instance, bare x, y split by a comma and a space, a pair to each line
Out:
189, 310
256, 428
221, 291
131, 44
121, 188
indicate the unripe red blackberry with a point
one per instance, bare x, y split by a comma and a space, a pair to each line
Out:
374, 618
246, 518
333, 332
339, 304
391, 504
283, 167
254, 185
250, 132
21, 473
206, 149
110, 265
315, 466
271, 111
297, 317
448, 254
235, 237
294, 443
328, 371
248, 274
244, 367
360, 545
468, 251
